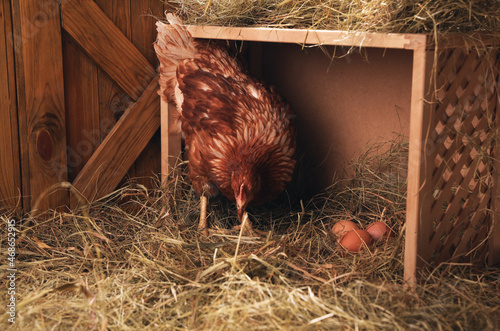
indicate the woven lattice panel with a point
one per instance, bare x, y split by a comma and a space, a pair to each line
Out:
460, 151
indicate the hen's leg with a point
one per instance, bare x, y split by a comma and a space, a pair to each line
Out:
203, 224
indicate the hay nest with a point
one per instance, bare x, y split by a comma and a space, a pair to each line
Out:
394, 16
135, 260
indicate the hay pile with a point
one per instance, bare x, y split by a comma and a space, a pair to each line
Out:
134, 260
423, 16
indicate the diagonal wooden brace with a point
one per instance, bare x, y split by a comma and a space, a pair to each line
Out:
121, 147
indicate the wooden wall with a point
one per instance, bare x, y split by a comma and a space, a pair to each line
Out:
95, 103
69, 72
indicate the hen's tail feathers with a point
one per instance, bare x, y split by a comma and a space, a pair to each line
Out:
174, 44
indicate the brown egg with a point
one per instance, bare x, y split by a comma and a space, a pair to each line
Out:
378, 230
355, 240
342, 227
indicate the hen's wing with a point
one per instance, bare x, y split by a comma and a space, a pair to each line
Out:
213, 89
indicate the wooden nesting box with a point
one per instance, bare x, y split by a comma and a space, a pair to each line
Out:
444, 98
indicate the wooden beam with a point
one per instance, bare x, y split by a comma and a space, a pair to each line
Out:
170, 142
41, 101
311, 37
417, 227
120, 148
107, 46
410, 41
10, 171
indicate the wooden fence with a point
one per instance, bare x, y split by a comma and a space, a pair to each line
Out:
78, 98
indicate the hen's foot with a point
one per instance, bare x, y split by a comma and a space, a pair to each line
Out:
203, 224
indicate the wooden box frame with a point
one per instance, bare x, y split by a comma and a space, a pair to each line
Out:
421, 227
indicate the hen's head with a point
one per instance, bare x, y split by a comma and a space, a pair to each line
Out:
246, 186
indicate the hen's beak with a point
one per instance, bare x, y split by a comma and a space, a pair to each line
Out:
241, 202
241, 205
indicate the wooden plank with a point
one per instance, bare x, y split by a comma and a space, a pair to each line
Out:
107, 46
21, 104
313, 37
170, 142
82, 107
144, 15
10, 171
120, 148
113, 100
339, 38
417, 233
118, 11
143, 21
41, 112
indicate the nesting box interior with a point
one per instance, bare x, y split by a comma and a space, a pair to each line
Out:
343, 105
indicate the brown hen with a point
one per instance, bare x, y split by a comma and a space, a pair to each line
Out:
239, 136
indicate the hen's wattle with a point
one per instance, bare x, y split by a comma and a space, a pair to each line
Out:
239, 135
